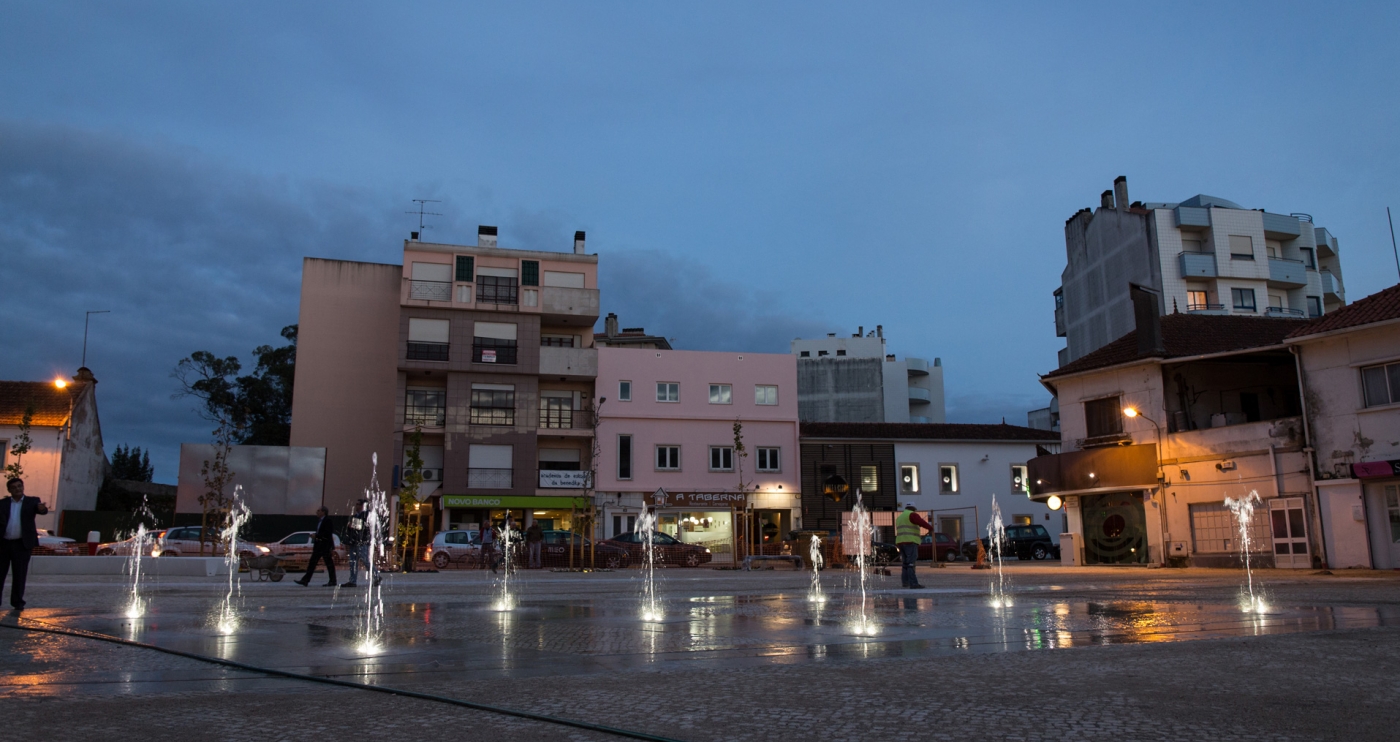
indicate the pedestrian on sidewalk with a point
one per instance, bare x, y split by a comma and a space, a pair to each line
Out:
322, 548
356, 540
906, 539
488, 545
534, 537
18, 537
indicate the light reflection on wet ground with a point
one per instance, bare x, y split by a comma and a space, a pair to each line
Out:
582, 635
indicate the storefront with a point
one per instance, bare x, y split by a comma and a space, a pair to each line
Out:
714, 520
466, 512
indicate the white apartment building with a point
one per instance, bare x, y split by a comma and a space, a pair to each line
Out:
854, 379
1204, 255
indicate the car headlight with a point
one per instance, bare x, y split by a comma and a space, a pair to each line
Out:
707, 551
264, 549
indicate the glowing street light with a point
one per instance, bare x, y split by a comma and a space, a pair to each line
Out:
1054, 502
60, 383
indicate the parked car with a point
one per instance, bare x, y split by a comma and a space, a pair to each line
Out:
454, 547
1022, 542
185, 541
668, 549
555, 551
126, 546
939, 546
58, 545
297, 547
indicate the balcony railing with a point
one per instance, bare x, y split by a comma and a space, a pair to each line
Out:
1289, 271
428, 418
560, 419
489, 479
418, 351
430, 290
1196, 264
1282, 312
1205, 307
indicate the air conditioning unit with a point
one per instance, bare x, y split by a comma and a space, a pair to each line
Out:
432, 475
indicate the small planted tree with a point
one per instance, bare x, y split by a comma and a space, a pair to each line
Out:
408, 497
20, 446
745, 486
214, 503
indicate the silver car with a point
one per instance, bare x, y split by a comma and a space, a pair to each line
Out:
185, 541
454, 547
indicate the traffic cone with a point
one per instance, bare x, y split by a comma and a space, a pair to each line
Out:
981, 557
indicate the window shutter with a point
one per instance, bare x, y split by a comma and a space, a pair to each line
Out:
465, 266
529, 273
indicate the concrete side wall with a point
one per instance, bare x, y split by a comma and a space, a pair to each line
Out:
1105, 253
1345, 431
347, 352
841, 390
84, 462
896, 392
272, 480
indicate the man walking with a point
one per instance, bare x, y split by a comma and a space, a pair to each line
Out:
906, 538
488, 545
18, 537
357, 540
322, 548
534, 537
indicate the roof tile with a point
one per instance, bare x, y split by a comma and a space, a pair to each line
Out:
51, 404
1378, 307
1185, 335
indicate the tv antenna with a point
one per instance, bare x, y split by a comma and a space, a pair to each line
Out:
423, 211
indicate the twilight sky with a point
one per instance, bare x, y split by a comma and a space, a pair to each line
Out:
748, 172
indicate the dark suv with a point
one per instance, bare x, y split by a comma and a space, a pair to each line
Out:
1022, 542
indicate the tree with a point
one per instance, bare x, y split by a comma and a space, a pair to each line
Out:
132, 464
408, 496
20, 446
258, 405
741, 453
217, 477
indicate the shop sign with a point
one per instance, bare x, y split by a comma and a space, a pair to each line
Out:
701, 500
563, 479
1375, 469
517, 501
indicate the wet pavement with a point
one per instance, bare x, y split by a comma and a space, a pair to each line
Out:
575, 646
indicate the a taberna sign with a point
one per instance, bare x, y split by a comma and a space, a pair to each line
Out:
551, 479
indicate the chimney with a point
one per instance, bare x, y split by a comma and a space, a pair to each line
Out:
1120, 192
1148, 319
610, 324
485, 236
1106, 200
578, 243
879, 331
413, 236
860, 331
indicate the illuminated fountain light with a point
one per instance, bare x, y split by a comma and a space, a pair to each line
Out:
861, 528
996, 538
651, 602
1243, 510
225, 618
815, 593
371, 639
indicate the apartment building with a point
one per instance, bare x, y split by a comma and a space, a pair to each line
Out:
666, 436
1205, 255
854, 379
1164, 423
485, 351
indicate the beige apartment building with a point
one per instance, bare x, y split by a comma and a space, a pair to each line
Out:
488, 351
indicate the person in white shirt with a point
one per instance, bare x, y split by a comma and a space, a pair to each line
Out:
20, 536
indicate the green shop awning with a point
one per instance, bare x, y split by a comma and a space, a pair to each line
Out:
515, 501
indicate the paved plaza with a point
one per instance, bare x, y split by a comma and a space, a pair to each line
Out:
1079, 654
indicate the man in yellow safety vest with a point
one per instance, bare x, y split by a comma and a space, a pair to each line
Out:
906, 538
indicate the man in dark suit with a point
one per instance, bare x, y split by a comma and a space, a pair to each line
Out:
322, 548
18, 537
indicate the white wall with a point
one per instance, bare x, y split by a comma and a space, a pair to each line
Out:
979, 480
41, 467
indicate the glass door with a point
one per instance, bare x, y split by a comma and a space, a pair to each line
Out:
1289, 527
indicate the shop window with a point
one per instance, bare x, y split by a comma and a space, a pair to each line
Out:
948, 479
909, 479
624, 457
1103, 417
668, 458
721, 458
768, 459
870, 479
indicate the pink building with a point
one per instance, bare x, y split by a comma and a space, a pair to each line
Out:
667, 423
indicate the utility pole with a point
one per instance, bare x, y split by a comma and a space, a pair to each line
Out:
88, 318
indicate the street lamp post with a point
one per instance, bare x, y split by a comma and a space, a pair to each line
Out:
1132, 412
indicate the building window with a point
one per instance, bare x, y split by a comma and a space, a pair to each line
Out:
1308, 258
721, 394
1314, 306
493, 405
1103, 417
557, 412
768, 460
493, 350
765, 394
465, 268
1022, 520
721, 458
427, 339
668, 391
909, 479
529, 273
426, 407
1197, 301
490, 467
1019, 479
1241, 247
668, 458
840, 352
870, 479
624, 391
948, 479
1243, 299
821, 353
1381, 384
624, 457
497, 290
805, 354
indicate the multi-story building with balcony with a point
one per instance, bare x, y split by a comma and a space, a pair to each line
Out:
484, 351
854, 379
1204, 255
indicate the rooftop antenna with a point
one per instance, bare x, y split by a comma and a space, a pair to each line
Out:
86, 320
1392, 239
423, 211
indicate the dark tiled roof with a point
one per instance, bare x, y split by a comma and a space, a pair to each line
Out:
51, 404
1185, 335
927, 431
1377, 307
